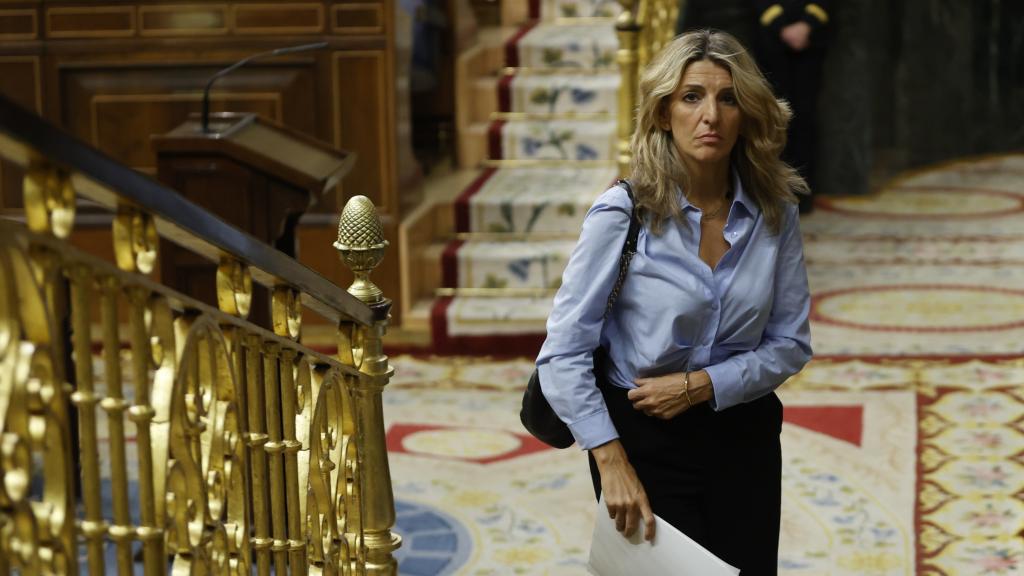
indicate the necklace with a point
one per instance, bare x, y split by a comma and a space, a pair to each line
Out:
709, 216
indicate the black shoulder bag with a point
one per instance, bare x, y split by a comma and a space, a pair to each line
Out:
536, 414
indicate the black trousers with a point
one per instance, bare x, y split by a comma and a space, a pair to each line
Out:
716, 476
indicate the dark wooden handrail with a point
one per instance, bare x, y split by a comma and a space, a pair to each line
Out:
177, 219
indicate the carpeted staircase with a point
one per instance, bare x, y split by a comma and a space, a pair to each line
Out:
551, 150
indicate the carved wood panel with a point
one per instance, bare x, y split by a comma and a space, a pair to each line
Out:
102, 102
361, 109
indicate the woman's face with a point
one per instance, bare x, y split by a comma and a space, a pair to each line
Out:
703, 115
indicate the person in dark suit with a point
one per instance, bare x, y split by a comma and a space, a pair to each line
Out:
790, 47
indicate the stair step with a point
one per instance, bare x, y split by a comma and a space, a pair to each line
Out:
507, 325
515, 264
586, 45
533, 200
563, 93
563, 139
564, 9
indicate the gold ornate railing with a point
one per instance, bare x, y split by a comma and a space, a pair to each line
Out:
149, 432
643, 28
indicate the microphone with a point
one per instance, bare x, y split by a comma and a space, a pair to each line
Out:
243, 62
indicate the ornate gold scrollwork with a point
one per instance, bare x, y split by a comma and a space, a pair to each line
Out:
135, 240
49, 201
36, 526
351, 344
234, 287
206, 496
326, 452
287, 312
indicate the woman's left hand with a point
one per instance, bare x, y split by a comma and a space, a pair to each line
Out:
663, 396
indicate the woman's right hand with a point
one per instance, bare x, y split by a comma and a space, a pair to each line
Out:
623, 493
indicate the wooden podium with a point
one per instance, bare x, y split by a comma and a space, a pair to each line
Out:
252, 173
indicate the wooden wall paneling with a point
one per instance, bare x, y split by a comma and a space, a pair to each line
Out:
11, 192
357, 18
90, 21
157, 114
21, 81
184, 20
19, 24
154, 98
278, 18
362, 122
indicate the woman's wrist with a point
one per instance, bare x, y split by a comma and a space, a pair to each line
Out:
699, 387
608, 453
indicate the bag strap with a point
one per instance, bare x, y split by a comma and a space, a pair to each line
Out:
628, 248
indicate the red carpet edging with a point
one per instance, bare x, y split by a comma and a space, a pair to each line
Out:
495, 149
462, 207
527, 345
450, 264
512, 46
505, 93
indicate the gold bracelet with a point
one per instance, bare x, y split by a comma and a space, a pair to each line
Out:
686, 389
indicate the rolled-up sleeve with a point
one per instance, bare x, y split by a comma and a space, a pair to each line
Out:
786, 343
566, 360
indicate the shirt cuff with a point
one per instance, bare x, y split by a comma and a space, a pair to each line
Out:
727, 385
594, 430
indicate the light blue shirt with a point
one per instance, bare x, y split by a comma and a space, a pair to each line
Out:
745, 322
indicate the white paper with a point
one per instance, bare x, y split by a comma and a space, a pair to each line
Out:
672, 552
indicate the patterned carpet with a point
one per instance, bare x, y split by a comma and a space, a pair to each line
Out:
903, 444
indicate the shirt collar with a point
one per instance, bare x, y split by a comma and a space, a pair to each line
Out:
740, 196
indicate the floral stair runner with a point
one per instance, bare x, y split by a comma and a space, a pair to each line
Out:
518, 221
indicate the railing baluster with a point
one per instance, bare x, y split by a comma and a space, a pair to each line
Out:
262, 542
121, 531
235, 339
84, 398
296, 537
274, 449
142, 414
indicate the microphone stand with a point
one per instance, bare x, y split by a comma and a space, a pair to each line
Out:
243, 62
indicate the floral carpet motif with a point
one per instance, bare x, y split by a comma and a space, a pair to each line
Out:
544, 94
568, 140
889, 467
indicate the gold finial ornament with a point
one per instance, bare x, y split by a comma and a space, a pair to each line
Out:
361, 244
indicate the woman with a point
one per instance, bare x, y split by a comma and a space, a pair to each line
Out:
677, 407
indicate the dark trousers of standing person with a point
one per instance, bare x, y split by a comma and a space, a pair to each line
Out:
716, 476
796, 77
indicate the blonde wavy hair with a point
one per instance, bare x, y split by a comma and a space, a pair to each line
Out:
656, 167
